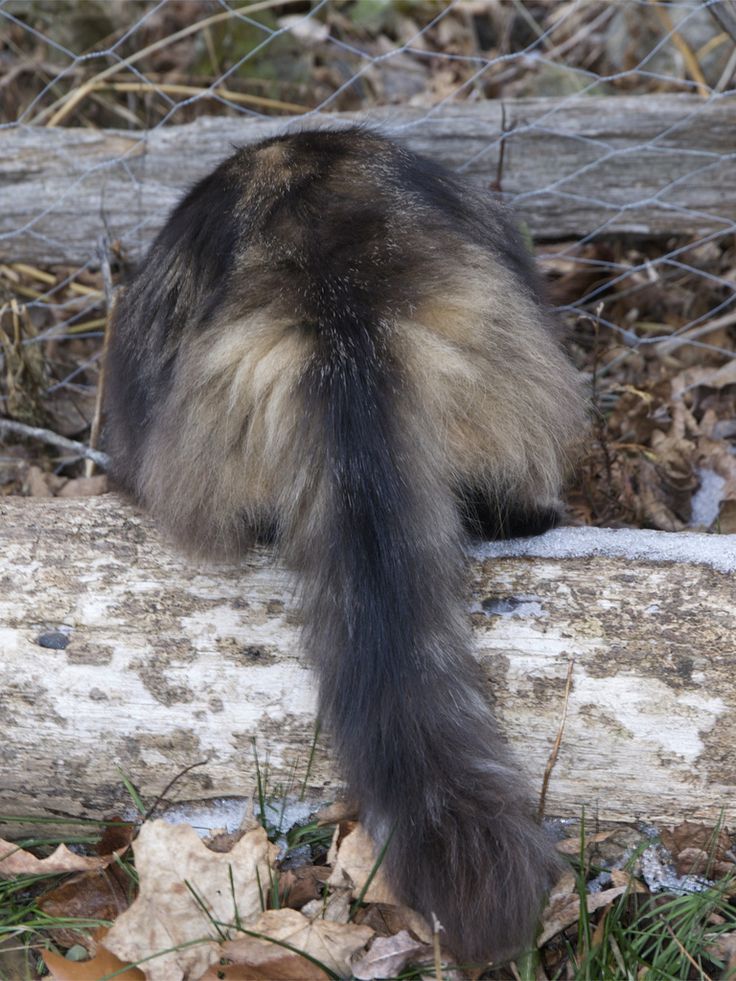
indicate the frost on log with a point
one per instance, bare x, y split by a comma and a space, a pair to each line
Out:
118, 654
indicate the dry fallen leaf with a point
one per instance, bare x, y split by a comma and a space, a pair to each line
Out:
666, 486
338, 812
707, 377
16, 960
116, 836
388, 956
279, 965
724, 949
299, 886
17, 861
173, 866
691, 834
571, 846
37, 483
565, 910
84, 487
388, 920
336, 908
353, 864
621, 878
565, 886
332, 944
699, 849
727, 518
96, 895
102, 965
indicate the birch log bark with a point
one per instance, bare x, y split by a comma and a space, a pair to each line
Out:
157, 662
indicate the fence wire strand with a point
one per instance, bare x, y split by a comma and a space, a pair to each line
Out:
158, 64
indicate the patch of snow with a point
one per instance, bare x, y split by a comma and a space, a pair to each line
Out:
659, 873
210, 816
707, 498
227, 814
716, 551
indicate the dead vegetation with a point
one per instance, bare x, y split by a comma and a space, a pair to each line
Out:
651, 322
233, 906
653, 326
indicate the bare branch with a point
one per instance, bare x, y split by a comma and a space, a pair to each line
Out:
54, 439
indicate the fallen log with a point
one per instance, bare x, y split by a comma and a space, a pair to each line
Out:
118, 654
652, 165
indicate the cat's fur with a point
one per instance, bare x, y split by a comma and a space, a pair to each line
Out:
339, 345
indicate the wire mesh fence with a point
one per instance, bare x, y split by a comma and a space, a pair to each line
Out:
604, 124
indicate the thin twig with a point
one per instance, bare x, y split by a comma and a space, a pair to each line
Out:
68, 102
727, 73
54, 439
725, 15
683, 950
192, 766
25, 269
671, 344
580, 35
557, 743
174, 88
691, 62
436, 927
103, 250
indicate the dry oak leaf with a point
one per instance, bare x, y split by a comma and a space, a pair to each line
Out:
388, 956
699, 849
723, 948
17, 861
564, 910
84, 487
707, 377
299, 886
335, 908
338, 812
354, 862
619, 877
331, 944
16, 960
571, 846
96, 895
691, 834
102, 965
281, 965
183, 887
727, 518
388, 920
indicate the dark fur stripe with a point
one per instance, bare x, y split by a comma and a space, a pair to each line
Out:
398, 689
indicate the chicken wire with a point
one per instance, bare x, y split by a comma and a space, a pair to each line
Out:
165, 63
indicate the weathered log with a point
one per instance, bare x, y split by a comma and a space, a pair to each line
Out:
168, 662
650, 165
